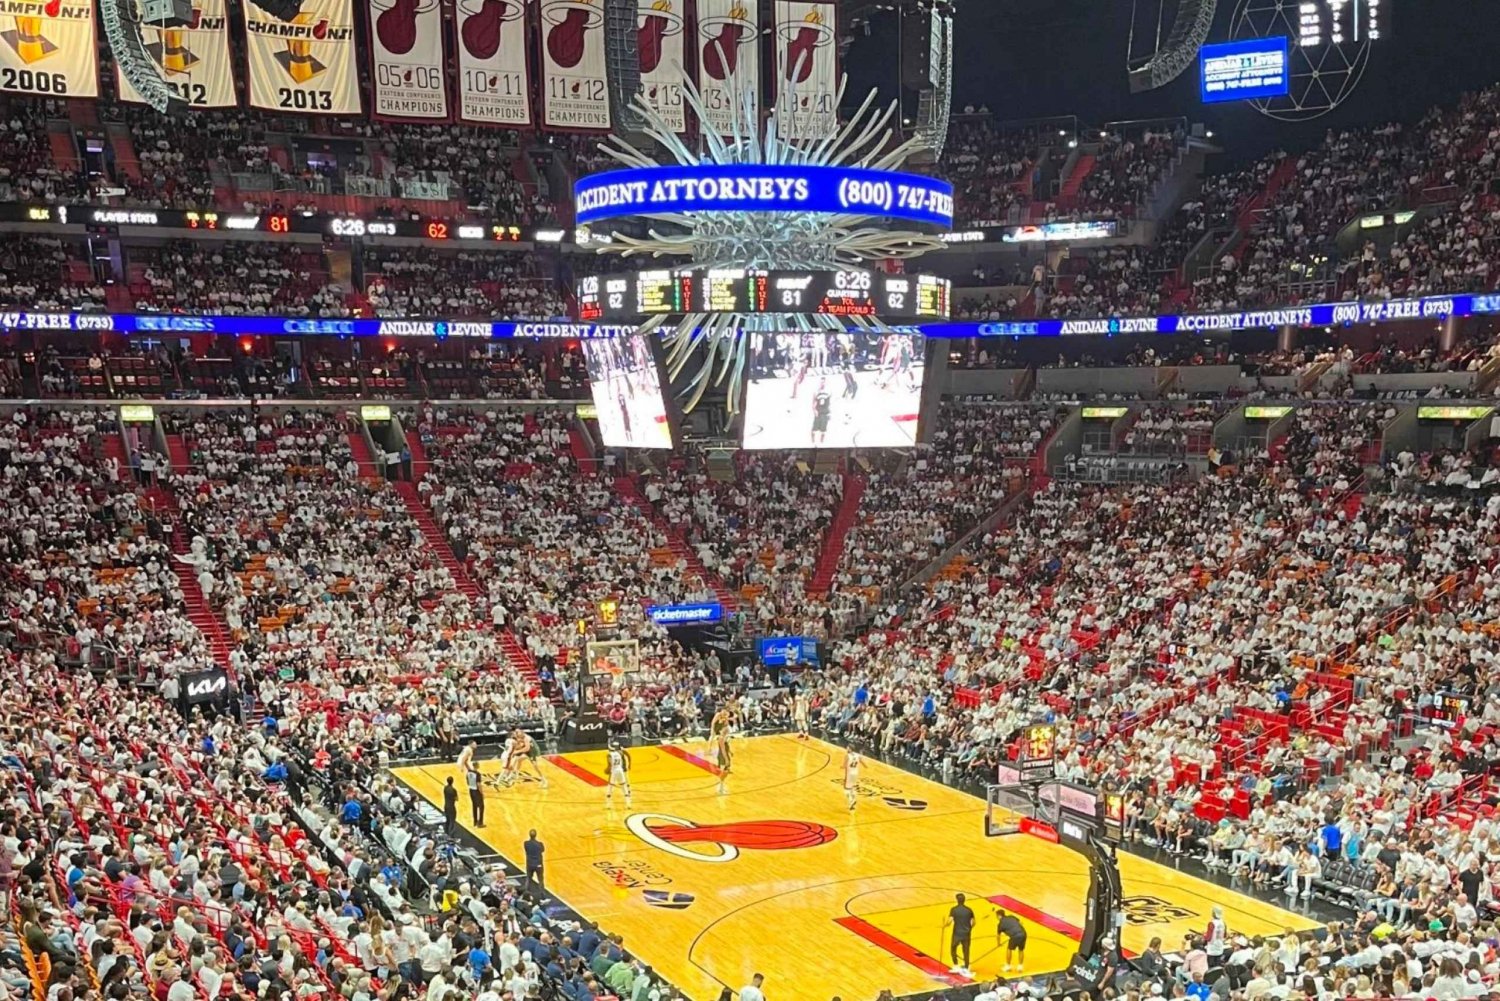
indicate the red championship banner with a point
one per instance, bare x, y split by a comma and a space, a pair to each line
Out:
193, 59
406, 60
306, 64
575, 90
728, 60
660, 39
47, 47
807, 70
493, 84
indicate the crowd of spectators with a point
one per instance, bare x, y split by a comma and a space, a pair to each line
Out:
36, 272
1191, 642
1126, 170
466, 283
238, 278
991, 170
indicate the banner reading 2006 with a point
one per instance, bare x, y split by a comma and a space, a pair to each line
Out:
307, 64
406, 59
193, 59
806, 68
47, 47
728, 59
493, 84
575, 90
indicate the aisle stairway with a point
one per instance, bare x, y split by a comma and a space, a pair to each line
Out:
419, 460
362, 454
626, 487
515, 652
838, 533
177, 451
1068, 193
114, 448
214, 631
579, 447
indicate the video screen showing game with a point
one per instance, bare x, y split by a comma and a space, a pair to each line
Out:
833, 390
626, 387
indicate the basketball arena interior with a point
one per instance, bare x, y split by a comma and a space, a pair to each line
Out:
728, 500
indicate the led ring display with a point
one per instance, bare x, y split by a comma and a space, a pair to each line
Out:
764, 188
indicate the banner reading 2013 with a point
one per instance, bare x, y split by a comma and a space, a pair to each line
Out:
575, 88
659, 39
193, 58
494, 87
406, 60
47, 47
306, 64
807, 68
728, 61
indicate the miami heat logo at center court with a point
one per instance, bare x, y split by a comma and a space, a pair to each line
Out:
723, 842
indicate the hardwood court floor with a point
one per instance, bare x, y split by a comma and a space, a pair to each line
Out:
779, 877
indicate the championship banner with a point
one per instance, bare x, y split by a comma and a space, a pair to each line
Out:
660, 41
306, 64
575, 89
807, 72
47, 47
728, 60
406, 60
493, 83
193, 59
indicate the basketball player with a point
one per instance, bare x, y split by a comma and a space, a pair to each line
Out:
470, 769
822, 410
619, 773
799, 714
723, 759
816, 346
508, 773
529, 753
1014, 932
851, 778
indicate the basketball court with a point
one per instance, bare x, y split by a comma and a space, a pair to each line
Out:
778, 877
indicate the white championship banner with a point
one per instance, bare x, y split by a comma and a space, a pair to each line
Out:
660, 36
807, 70
493, 82
307, 64
728, 60
193, 59
47, 47
406, 59
575, 90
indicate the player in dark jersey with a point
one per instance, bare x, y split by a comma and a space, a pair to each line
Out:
822, 412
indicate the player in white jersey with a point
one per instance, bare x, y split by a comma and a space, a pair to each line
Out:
618, 766
851, 777
799, 714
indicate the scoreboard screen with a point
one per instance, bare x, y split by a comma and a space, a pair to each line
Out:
743, 290
1338, 21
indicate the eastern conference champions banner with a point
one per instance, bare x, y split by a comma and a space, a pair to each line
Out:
493, 83
806, 68
193, 59
307, 64
659, 35
406, 59
575, 90
728, 59
47, 48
